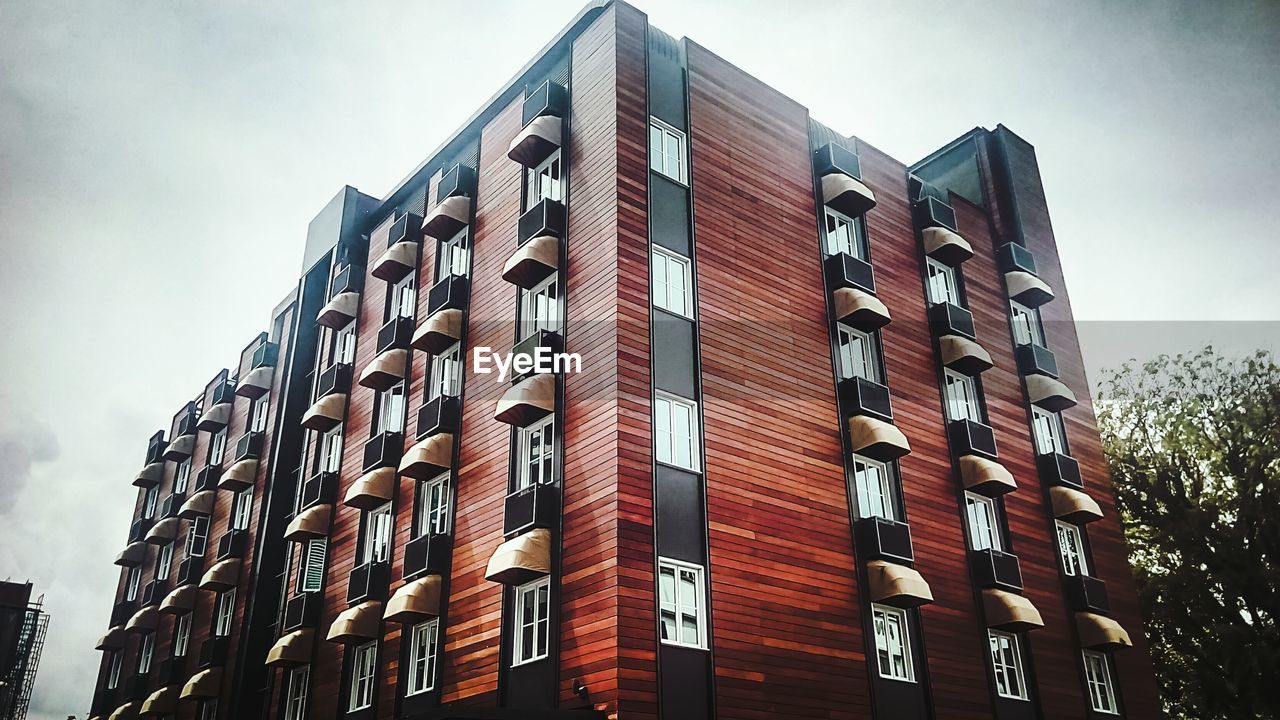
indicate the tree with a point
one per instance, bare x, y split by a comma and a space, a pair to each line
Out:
1194, 447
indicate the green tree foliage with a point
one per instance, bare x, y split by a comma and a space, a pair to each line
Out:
1194, 447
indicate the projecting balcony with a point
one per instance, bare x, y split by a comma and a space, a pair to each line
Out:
309, 524
233, 544
1087, 594
139, 528
218, 416
213, 652
372, 490
1012, 256
439, 331
243, 473
545, 219
370, 581
438, 416
163, 531
292, 649
877, 439
155, 448
302, 610
945, 245
541, 345
897, 585
529, 400
1101, 632
542, 133
537, 506
1009, 611
521, 559
840, 174
199, 504
145, 620
154, 591
985, 477
189, 571
1027, 289
321, 488
171, 506
415, 601
1049, 393
358, 624
384, 371
846, 271
150, 476
257, 381
1036, 360
996, 569
181, 599
964, 355
383, 450
1059, 469
181, 447
947, 319
222, 577
865, 397
449, 293
401, 254
533, 262
452, 211
860, 309
1070, 505
884, 539
187, 420
930, 212
429, 457
970, 437
427, 554
207, 478
330, 407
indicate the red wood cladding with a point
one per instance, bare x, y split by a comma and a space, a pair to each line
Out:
785, 617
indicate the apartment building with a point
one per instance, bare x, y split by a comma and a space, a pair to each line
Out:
829, 453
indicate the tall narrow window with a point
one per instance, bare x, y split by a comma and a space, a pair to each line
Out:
164, 559
364, 667
453, 257
423, 650
260, 407
146, 652
1027, 329
1006, 665
198, 536
391, 410
540, 307
223, 612
1047, 428
533, 621
295, 703
377, 535
217, 446
941, 282
113, 674
676, 431
402, 298
893, 644
535, 453
149, 502
858, 354
873, 488
241, 510
844, 234
181, 635
681, 604
331, 451
446, 373
433, 510
961, 396
672, 280
311, 568
344, 346
1071, 549
1102, 695
182, 476
208, 710
667, 151
544, 182
131, 584
984, 532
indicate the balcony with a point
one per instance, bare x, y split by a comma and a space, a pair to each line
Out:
545, 219
452, 211
986, 477
155, 448
330, 407
1012, 256
865, 397
969, 437
172, 505
542, 133
428, 458
213, 652
537, 506
136, 688
860, 309
181, 447
151, 475
1087, 594
549, 98
154, 591
395, 335
373, 489
528, 400
945, 245
385, 370
1027, 289
947, 319
138, 530
218, 415
233, 544
882, 539
930, 212
1059, 469
133, 555
964, 355
535, 354
249, 446
534, 261
122, 611
302, 610
846, 271
383, 450
104, 702
427, 554
189, 571
257, 381
188, 419
169, 671
448, 294
344, 298
439, 331
459, 180
401, 255
1036, 360
841, 180
995, 569
370, 581
334, 380
1051, 394
309, 524
320, 489
876, 438
438, 416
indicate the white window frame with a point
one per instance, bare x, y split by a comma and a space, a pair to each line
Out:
453, 256
433, 510
941, 281
674, 166
182, 635
849, 241
378, 529
242, 510
539, 623
536, 453
540, 307
391, 408
146, 653
223, 613
331, 451
132, 581
667, 295
545, 181
873, 488
858, 353
259, 411
1071, 549
1006, 665
424, 650
404, 298
113, 671
149, 502
884, 619
1028, 329
164, 561
1102, 693
209, 709
1047, 431
675, 604
181, 476
446, 373
311, 556
344, 346
364, 671
198, 532
983, 521
217, 447
960, 393
296, 686
666, 437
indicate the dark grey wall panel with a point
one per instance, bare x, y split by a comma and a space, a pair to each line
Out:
673, 359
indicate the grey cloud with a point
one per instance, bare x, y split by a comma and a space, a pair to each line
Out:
23, 442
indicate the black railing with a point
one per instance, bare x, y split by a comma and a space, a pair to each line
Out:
1012, 256
213, 652
970, 437
189, 571
395, 334
543, 344
833, 158
349, 278
154, 591
449, 293
882, 539
1087, 594
549, 98
846, 271
187, 422
335, 379
932, 212
427, 554
170, 506
1036, 360
545, 218
135, 688
948, 319
233, 544
249, 446
122, 611
319, 489
460, 180
208, 477
223, 392
537, 506
369, 581
156, 447
406, 228
996, 569
865, 397
301, 610
138, 530
265, 355
383, 450
1059, 469
438, 416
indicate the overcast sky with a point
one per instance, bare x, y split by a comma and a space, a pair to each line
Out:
160, 160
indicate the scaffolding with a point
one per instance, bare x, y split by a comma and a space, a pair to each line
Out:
15, 693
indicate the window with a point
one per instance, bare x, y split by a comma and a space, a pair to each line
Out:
844, 234
873, 488
295, 702
540, 308
208, 710
1071, 549
113, 675
146, 651
532, 625
666, 151
391, 410
859, 356
984, 532
1027, 328
259, 419
241, 510
377, 535
941, 280
453, 257
423, 649
181, 476
544, 182
331, 451
311, 569
672, 282
433, 510
217, 446
446, 373
1006, 664
181, 635
961, 396
1097, 671
163, 561
344, 345
535, 453
402, 298
1047, 428
676, 421
364, 660
198, 536
893, 647
225, 608
131, 584
149, 502
681, 604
